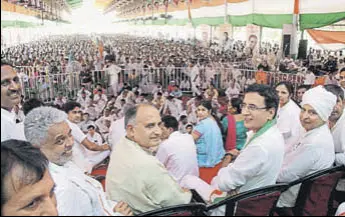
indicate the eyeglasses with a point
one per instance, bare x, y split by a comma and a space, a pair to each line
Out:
251, 107
342, 77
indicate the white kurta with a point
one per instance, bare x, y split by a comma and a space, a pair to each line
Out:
9, 128
314, 152
85, 159
178, 155
78, 194
338, 133
232, 92
289, 124
138, 178
257, 166
116, 132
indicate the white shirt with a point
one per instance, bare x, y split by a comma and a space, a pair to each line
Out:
338, 133
175, 107
9, 128
135, 176
195, 73
289, 124
78, 149
113, 71
101, 124
84, 102
232, 92
116, 132
314, 152
309, 79
79, 195
257, 166
178, 155
185, 84
96, 138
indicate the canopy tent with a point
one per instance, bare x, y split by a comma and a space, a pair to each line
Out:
266, 13
330, 40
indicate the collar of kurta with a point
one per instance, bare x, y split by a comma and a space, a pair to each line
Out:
8, 115
263, 130
147, 150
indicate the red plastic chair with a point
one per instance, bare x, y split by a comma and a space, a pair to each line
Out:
258, 202
193, 209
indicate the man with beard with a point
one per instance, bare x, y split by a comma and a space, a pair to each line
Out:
77, 194
10, 97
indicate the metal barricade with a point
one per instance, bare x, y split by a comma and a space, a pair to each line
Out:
40, 83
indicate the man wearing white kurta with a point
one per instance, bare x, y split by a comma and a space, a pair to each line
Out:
195, 80
258, 164
134, 174
113, 71
76, 194
10, 96
315, 151
178, 151
80, 157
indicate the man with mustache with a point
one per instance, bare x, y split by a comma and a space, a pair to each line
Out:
10, 97
315, 150
77, 194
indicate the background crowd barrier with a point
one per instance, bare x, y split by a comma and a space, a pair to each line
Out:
46, 84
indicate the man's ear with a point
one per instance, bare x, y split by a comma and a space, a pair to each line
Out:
130, 131
272, 112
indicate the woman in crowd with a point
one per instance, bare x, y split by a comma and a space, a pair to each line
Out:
288, 115
234, 129
209, 142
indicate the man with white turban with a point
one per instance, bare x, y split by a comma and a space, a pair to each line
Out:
315, 150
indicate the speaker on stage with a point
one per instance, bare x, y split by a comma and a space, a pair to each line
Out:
302, 49
286, 44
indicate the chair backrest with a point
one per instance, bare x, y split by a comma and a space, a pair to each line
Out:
257, 202
193, 209
314, 197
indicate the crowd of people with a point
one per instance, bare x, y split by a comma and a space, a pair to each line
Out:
158, 142
46, 65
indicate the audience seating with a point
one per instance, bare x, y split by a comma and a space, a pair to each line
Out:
257, 202
193, 209
316, 194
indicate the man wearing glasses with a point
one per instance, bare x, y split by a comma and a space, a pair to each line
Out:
259, 163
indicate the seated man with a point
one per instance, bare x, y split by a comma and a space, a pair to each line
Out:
177, 152
134, 174
76, 193
27, 189
265, 145
315, 150
82, 144
337, 124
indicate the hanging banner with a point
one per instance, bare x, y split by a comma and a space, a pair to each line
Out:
253, 39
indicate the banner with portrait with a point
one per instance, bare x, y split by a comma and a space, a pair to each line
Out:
253, 39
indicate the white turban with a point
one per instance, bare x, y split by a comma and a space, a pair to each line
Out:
321, 100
